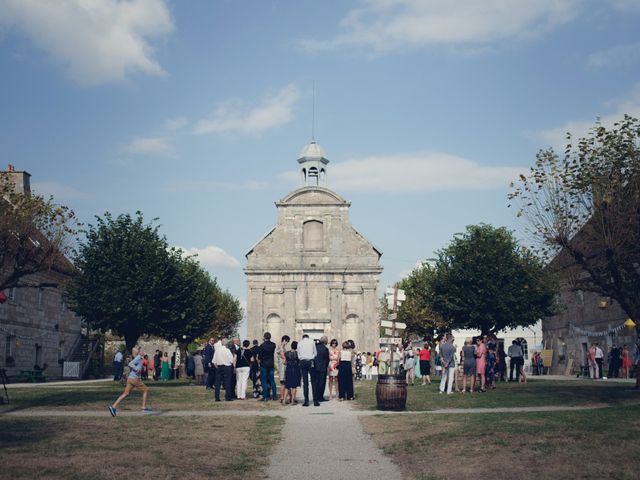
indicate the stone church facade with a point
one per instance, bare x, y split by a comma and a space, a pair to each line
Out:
313, 272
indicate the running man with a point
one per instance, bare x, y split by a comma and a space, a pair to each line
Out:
133, 381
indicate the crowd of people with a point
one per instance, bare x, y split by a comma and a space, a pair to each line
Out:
618, 360
481, 363
307, 364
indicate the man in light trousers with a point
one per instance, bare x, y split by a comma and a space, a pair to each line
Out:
447, 355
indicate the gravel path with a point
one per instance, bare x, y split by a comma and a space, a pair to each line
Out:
325, 441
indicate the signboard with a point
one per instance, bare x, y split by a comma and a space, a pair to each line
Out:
392, 316
400, 297
547, 357
399, 325
388, 331
390, 340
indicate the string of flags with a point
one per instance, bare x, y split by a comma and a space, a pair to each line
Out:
23, 337
602, 333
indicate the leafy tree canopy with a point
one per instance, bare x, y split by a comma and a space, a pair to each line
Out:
417, 311
585, 206
484, 280
35, 236
131, 282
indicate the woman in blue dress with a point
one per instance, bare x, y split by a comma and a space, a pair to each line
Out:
292, 373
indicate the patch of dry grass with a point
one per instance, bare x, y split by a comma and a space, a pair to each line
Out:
534, 393
176, 395
143, 447
577, 445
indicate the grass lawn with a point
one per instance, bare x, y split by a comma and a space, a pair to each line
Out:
599, 443
136, 447
533, 393
174, 395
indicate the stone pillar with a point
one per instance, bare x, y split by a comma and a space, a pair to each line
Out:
370, 319
255, 313
336, 314
289, 311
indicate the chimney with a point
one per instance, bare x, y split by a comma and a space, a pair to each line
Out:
20, 180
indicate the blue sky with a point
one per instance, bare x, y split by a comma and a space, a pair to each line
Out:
195, 111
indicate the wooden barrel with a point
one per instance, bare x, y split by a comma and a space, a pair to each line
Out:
391, 393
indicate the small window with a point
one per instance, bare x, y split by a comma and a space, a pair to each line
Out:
12, 293
313, 235
38, 355
9, 346
40, 295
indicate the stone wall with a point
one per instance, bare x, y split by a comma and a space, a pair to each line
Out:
585, 310
36, 327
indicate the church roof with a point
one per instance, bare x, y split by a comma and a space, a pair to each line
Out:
312, 151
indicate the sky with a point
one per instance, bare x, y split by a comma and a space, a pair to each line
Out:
194, 112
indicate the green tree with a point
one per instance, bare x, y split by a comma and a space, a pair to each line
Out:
194, 303
35, 236
485, 280
228, 316
417, 311
584, 208
125, 279
131, 282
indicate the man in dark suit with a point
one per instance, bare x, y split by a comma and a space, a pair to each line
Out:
265, 356
208, 364
321, 365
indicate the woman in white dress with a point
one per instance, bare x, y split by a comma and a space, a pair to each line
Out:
199, 370
334, 359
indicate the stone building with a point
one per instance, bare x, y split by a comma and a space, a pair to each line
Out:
585, 317
313, 272
36, 327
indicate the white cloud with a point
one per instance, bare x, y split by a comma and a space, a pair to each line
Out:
96, 42
618, 56
212, 257
385, 25
153, 146
177, 123
233, 116
556, 137
59, 191
414, 172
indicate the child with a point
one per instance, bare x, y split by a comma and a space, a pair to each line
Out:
133, 381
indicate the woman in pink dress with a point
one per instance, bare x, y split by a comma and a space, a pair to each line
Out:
626, 361
481, 361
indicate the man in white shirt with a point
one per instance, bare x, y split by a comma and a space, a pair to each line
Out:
599, 359
224, 361
306, 353
117, 366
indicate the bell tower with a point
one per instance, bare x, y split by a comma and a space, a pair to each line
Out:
313, 165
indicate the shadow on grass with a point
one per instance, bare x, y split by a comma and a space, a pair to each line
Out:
17, 433
60, 399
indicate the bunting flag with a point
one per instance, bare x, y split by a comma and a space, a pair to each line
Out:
603, 333
24, 337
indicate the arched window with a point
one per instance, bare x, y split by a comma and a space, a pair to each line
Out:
313, 235
313, 175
